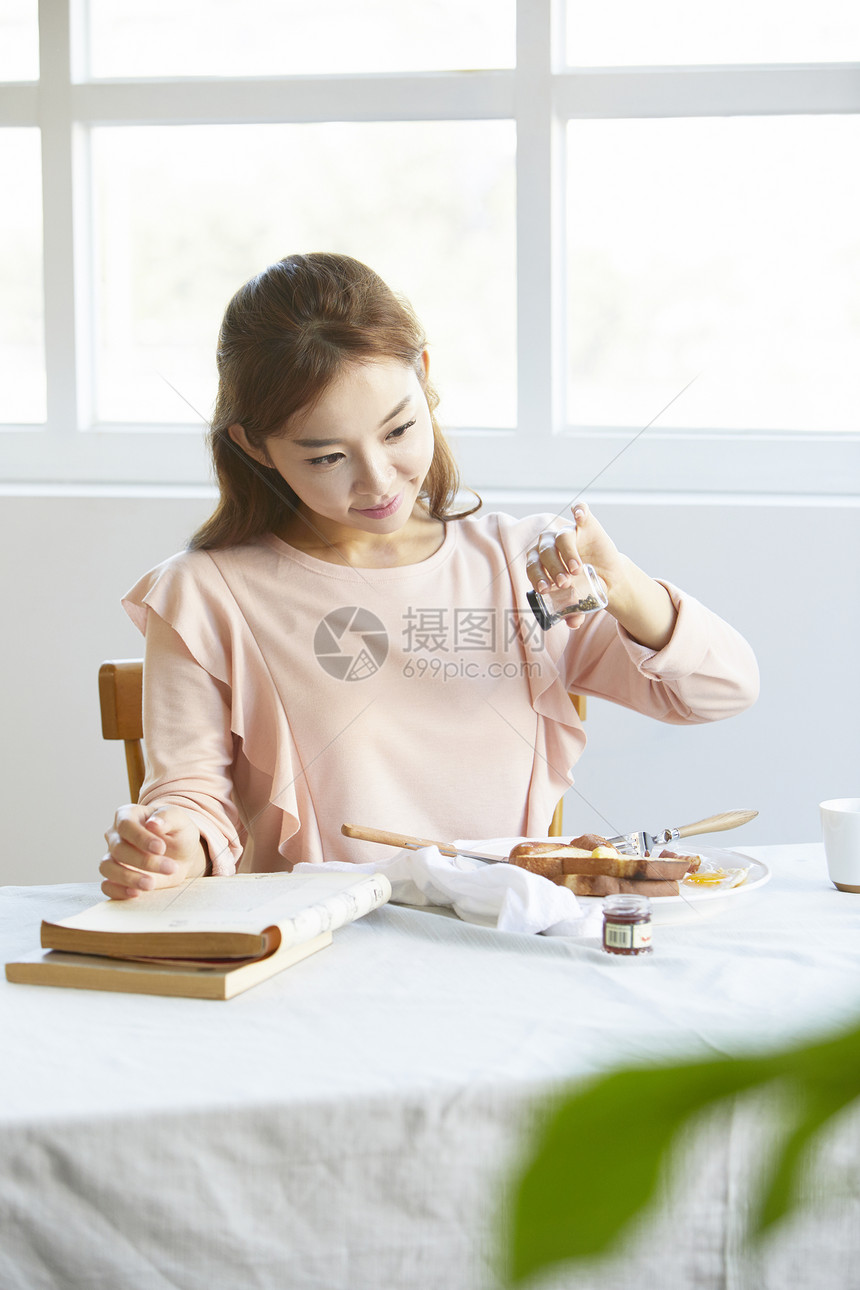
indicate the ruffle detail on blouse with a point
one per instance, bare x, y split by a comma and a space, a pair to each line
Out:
561, 738
190, 593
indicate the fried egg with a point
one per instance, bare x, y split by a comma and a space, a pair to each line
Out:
709, 877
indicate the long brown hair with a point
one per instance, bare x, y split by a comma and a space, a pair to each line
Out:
286, 335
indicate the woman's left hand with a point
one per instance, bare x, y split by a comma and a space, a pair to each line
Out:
641, 605
559, 553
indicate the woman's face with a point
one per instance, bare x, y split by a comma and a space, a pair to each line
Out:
358, 458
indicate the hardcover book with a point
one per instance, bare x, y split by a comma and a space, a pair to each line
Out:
208, 938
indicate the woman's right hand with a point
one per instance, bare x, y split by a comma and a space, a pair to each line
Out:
150, 848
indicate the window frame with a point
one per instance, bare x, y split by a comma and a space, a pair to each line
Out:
541, 94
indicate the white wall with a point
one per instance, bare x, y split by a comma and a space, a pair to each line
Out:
786, 572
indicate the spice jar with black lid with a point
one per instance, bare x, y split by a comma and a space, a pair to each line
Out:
583, 593
627, 924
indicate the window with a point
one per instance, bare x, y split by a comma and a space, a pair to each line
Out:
748, 286
674, 32
293, 38
19, 40
184, 214
22, 352
632, 232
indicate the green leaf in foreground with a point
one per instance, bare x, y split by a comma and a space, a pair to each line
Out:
826, 1078
600, 1152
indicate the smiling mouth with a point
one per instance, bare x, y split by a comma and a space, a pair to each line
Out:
383, 510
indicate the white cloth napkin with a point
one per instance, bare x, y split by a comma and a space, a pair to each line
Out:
492, 895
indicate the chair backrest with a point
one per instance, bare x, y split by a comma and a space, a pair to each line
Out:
121, 702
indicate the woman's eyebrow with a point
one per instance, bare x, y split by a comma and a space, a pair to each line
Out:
395, 412
326, 443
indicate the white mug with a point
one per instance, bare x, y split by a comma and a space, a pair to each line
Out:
840, 826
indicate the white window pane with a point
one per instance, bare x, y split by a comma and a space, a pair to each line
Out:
184, 215
726, 247
294, 37
664, 32
19, 40
22, 350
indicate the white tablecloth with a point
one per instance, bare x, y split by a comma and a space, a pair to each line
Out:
349, 1125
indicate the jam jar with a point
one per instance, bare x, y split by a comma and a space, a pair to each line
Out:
627, 925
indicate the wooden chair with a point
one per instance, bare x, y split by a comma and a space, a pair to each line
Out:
121, 698
121, 702
555, 828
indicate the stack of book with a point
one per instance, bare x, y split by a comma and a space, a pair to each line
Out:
209, 938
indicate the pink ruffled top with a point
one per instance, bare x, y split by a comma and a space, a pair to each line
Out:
285, 696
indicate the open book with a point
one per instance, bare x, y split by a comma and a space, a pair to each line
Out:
207, 938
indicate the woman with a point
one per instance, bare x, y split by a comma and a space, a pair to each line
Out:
341, 644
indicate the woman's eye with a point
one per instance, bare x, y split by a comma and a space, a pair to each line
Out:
329, 459
401, 430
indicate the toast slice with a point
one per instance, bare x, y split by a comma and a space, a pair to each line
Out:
555, 860
630, 867
601, 884
545, 858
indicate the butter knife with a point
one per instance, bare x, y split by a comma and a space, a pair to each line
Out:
414, 844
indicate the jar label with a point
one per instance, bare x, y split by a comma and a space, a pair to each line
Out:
627, 936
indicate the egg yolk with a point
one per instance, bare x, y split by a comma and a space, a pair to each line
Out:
707, 878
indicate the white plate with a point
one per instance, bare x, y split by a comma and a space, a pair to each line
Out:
692, 903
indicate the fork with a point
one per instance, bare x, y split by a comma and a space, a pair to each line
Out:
641, 844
